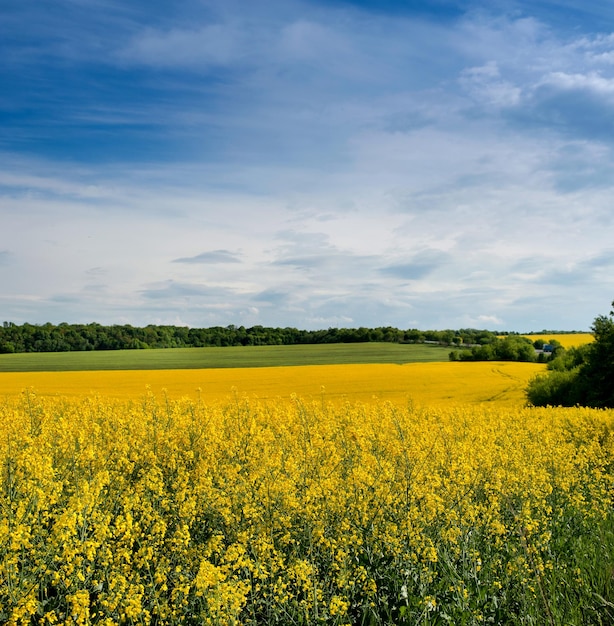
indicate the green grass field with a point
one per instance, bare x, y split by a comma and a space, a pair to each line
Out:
197, 358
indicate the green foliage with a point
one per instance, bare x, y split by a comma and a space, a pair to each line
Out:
556, 388
83, 337
580, 376
509, 348
569, 359
598, 372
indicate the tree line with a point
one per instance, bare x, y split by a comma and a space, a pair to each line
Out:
66, 337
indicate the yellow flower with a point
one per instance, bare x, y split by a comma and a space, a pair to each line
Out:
338, 606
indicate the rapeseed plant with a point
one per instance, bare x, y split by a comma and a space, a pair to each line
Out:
163, 511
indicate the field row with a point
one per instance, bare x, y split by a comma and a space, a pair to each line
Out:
236, 356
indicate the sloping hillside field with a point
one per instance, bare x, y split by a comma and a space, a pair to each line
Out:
444, 383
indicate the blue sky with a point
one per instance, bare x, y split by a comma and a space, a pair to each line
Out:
440, 164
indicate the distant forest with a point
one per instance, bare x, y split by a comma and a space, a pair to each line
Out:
79, 337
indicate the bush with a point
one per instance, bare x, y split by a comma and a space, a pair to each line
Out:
556, 388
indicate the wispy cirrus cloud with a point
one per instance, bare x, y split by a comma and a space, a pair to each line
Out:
212, 45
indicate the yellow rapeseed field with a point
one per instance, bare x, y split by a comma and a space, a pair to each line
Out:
446, 383
567, 340
150, 510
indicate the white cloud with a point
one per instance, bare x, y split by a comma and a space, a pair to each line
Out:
488, 321
485, 85
212, 256
592, 82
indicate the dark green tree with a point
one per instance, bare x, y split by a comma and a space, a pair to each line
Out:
597, 374
583, 376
